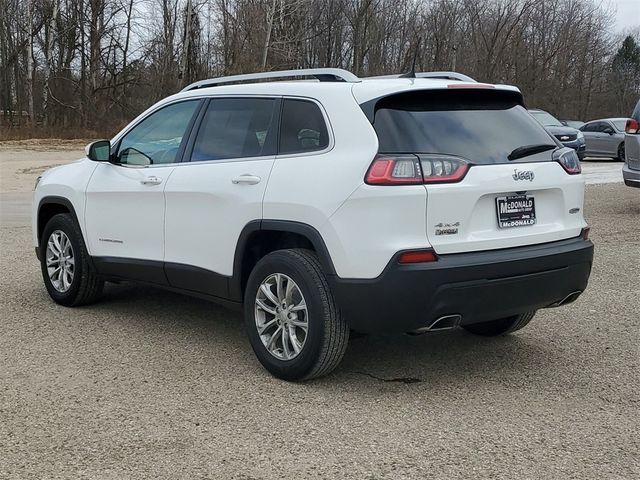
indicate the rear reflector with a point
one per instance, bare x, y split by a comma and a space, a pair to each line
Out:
585, 233
632, 127
417, 256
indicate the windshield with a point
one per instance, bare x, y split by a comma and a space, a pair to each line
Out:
619, 124
546, 119
482, 130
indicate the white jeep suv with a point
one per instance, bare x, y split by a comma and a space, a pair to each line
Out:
388, 204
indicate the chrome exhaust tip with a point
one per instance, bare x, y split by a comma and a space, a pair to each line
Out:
446, 322
567, 300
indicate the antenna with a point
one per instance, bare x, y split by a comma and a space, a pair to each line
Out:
412, 73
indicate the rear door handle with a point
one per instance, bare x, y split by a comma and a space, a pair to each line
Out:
151, 180
246, 179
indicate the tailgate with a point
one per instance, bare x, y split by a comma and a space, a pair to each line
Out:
464, 217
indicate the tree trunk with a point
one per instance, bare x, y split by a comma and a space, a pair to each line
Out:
267, 39
30, 68
48, 48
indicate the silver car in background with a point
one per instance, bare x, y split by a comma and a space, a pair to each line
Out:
631, 168
604, 138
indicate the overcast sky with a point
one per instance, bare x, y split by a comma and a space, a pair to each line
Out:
628, 13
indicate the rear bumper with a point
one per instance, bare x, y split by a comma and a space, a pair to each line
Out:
479, 286
631, 177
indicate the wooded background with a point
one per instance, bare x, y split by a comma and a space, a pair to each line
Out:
87, 67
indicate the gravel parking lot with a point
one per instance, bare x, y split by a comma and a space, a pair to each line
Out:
149, 384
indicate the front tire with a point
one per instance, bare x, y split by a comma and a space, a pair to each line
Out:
501, 326
294, 326
64, 262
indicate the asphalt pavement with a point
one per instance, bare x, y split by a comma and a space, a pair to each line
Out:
150, 384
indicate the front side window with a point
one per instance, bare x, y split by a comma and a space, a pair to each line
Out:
157, 138
236, 128
302, 128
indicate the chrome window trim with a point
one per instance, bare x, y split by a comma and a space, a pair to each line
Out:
210, 96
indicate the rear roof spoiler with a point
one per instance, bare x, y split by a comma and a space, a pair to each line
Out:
369, 107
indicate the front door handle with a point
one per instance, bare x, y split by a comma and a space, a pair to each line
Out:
152, 180
246, 179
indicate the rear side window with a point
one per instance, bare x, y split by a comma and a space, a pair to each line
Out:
302, 128
619, 124
483, 127
236, 128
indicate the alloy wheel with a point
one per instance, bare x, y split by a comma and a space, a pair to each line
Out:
281, 316
60, 261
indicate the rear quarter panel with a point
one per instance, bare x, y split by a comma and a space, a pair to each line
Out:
310, 187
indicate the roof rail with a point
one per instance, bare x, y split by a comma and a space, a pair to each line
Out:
436, 75
322, 74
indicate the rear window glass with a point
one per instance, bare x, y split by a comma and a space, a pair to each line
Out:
481, 127
302, 127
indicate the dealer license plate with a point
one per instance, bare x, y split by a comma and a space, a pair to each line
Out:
516, 211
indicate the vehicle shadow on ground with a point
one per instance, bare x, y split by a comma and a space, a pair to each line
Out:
452, 357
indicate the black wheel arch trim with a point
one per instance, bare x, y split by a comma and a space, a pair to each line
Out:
65, 202
53, 200
299, 228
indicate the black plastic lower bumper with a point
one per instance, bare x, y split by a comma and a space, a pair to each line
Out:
479, 286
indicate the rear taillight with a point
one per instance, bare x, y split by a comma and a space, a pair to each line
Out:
569, 160
394, 170
471, 85
416, 169
632, 127
443, 168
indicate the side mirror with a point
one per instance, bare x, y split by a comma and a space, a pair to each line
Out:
99, 151
608, 130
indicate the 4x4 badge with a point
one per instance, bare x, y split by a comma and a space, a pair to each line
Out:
447, 228
525, 175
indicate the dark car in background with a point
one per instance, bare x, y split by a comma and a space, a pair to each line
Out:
569, 137
631, 168
605, 138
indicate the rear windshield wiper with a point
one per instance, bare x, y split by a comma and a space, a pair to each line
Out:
527, 150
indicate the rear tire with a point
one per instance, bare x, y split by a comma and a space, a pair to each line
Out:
621, 152
65, 266
294, 325
501, 326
